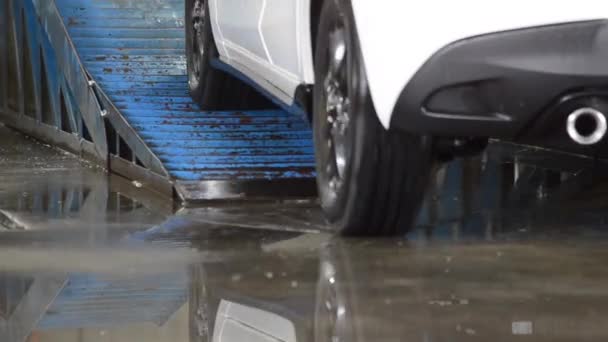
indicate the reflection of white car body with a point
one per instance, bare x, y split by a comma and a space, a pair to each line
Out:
235, 322
393, 87
12, 222
229, 300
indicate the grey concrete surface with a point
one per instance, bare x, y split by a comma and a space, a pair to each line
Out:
509, 246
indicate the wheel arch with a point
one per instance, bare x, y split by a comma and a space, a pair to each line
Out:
309, 26
384, 96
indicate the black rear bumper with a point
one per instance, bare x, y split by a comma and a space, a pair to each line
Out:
503, 84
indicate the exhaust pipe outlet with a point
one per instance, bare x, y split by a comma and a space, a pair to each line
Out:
587, 126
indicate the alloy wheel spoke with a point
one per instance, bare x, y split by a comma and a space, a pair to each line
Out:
337, 107
337, 51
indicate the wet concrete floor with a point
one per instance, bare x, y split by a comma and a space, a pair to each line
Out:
509, 246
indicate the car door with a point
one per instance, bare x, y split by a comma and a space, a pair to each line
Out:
263, 39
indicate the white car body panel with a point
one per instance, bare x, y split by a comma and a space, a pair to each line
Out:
266, 39
397, 37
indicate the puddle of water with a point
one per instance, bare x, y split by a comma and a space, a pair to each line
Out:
508, 245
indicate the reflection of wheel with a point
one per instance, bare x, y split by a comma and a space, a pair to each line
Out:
199, 316
371, 181
212, 88
333, 316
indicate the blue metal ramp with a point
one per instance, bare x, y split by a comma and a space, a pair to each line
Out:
133, 56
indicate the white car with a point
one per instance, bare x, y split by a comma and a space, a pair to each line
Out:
393, 87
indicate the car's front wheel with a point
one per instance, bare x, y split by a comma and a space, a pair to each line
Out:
371, 180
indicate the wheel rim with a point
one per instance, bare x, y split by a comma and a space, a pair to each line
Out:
330, 313
337, 106
197, 13
199, 307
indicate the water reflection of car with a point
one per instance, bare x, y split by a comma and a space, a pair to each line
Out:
462, 292
265, 292
384, 291
11, 222
386, 102
465, 275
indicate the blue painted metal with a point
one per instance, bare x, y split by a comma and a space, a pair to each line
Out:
43, 88
135, 51
107, 79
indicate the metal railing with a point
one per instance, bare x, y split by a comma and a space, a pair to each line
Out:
46, 92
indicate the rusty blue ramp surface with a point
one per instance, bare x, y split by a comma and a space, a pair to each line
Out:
135, 51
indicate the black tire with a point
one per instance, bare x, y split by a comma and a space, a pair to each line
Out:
382, 186
212, 88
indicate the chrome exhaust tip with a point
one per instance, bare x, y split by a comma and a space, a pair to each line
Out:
587, 126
